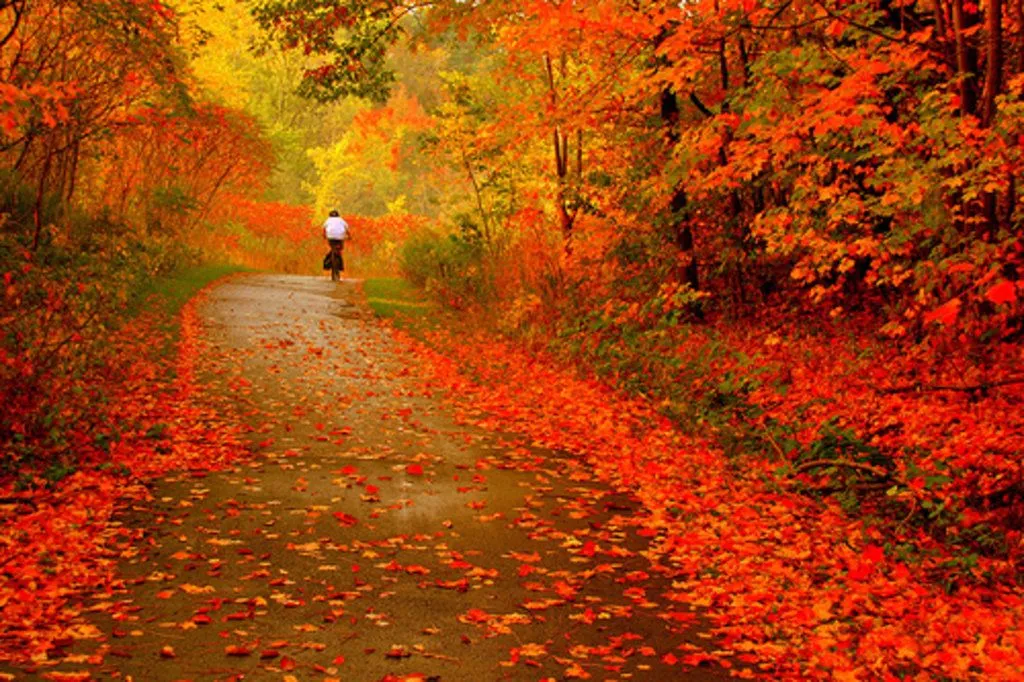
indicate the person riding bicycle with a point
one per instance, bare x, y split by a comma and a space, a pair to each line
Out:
336, 232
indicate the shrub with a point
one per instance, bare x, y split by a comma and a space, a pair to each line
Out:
449, 267
60, 300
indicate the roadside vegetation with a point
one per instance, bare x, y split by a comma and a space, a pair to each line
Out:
793, 230
397, 300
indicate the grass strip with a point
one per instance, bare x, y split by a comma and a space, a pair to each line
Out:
173, 291
400, 302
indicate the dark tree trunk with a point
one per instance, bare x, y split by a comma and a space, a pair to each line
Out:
966, 57
682, 232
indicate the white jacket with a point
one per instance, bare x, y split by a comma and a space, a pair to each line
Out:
336, 228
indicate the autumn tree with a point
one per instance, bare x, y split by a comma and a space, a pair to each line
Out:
172, 166
110, 159
72, 72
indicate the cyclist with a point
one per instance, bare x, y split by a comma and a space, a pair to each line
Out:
336, 232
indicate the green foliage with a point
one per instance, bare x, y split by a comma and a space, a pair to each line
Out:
172, 204
17, 204
839, 444
354, 36
58, 471
449, 267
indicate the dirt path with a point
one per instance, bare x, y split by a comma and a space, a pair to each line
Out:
373, 535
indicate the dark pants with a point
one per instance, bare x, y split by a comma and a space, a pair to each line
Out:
337, 246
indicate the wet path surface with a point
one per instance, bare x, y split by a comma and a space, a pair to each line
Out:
373, 536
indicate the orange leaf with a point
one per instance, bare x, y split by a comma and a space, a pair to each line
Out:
946, 313
1004, 292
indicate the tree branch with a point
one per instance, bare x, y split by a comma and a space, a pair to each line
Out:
700, 105
844, 463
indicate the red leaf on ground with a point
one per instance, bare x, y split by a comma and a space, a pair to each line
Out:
346, 520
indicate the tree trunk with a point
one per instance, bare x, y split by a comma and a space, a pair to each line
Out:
37, 212
993, 86
966, 58
940, 19
993, 61
1019, 20
681, 230
478, 193
560, 140
73, 171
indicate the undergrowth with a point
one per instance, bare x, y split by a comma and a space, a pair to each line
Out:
64, 298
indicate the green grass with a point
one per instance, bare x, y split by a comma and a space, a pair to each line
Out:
396, 300
173, 291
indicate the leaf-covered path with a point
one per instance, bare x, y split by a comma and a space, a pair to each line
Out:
372, 535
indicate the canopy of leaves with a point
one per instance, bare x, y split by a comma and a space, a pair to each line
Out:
352, 37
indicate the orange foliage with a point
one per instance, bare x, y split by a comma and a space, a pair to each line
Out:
740, 165
374, 234
289, 238
268, 219
73, 73
173, 167
403, 111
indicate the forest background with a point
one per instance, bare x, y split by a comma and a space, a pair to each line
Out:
793, 226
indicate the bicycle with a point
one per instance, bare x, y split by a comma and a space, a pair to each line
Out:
336, 258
